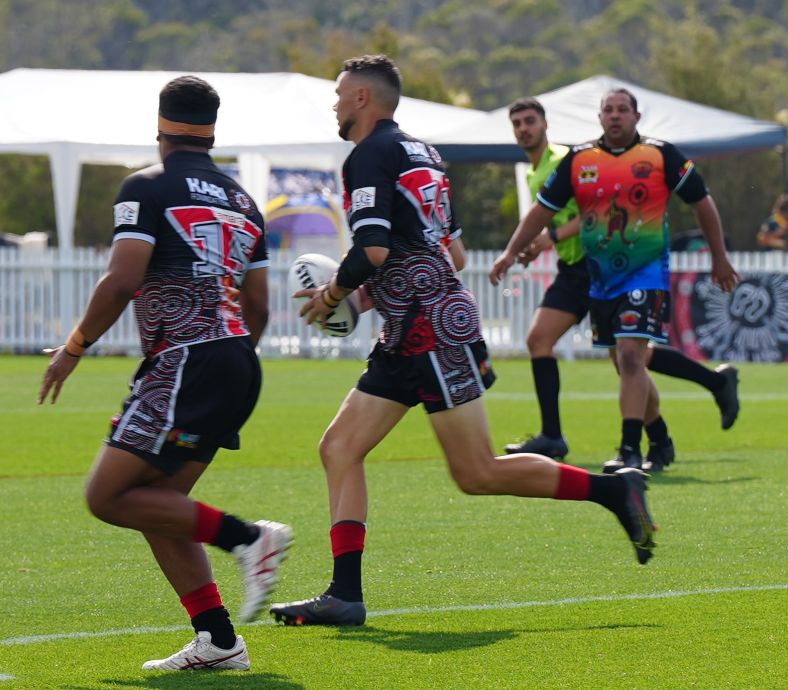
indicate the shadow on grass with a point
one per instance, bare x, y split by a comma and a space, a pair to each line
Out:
437, 642
678, 479
202, 679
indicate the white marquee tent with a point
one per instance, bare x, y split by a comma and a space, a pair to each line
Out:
285, 119
697, 130
76, 117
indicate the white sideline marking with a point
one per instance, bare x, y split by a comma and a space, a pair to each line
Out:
6, 676
35, 639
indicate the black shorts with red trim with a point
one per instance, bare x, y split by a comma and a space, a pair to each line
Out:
188, 402
569, 291
634, 314
439, 379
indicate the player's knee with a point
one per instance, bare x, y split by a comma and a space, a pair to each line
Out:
98, 504
334, 451
629, 362
539, 344
475, 482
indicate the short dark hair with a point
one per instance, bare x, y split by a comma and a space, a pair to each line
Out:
383, 71
526, 103
189, 100
632, 100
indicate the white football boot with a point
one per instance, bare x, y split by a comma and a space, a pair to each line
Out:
200, 654
259, 563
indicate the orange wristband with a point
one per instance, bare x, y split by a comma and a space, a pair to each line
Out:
77, 343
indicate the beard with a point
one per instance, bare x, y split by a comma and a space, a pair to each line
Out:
345, 127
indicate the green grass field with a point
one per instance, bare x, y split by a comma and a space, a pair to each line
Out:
463, 592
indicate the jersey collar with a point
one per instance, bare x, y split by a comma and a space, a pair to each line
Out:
618, 150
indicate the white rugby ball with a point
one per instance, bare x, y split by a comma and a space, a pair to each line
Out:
315, 270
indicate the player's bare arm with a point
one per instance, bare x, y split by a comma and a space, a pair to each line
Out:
549, 238
128, 262
254, 302
722, 272
527, 229
457, 254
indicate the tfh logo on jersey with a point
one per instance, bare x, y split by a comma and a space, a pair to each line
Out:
126, 213
430, 193
363, 197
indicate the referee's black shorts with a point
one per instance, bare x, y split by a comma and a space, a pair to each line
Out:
569, 291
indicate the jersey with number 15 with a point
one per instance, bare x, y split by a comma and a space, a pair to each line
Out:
207, 233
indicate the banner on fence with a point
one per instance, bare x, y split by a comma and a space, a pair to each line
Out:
749, 324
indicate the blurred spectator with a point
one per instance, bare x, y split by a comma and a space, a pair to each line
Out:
773, 233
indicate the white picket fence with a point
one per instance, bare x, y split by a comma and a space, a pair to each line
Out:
44, 291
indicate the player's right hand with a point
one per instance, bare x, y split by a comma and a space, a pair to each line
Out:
57, 372
502, 264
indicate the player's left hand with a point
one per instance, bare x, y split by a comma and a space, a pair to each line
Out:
57, 372
724, 274
315, 309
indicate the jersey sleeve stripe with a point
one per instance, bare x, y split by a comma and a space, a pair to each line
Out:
265, 263
130, 235
371, 221
687, 174
544, 202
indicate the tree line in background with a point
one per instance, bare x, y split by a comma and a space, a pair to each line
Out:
730, 54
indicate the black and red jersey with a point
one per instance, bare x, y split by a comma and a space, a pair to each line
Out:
207, 234
395, 183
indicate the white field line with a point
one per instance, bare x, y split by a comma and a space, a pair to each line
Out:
430, 610
6, 676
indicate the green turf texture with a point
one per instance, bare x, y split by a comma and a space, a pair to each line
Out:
463, 592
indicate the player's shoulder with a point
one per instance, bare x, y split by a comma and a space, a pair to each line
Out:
585, 146
656, 143
146, 175
557, 151
143, 180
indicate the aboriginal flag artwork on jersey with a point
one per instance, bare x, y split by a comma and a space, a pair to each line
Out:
207, 234
623, 196
397, 184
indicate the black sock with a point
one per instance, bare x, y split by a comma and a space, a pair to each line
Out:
631, 432
233, 532
657, 432
673, 362
548, 384
607, 490
217, 622
346, 584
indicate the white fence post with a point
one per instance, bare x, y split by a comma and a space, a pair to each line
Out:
43, 293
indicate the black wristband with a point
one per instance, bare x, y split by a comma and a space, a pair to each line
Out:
552, 233
355, 268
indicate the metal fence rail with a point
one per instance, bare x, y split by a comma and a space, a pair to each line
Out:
43, 291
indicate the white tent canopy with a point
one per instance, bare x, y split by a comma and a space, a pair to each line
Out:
80, 116
697, 130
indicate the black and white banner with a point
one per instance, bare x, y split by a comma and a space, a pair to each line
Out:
749, 324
